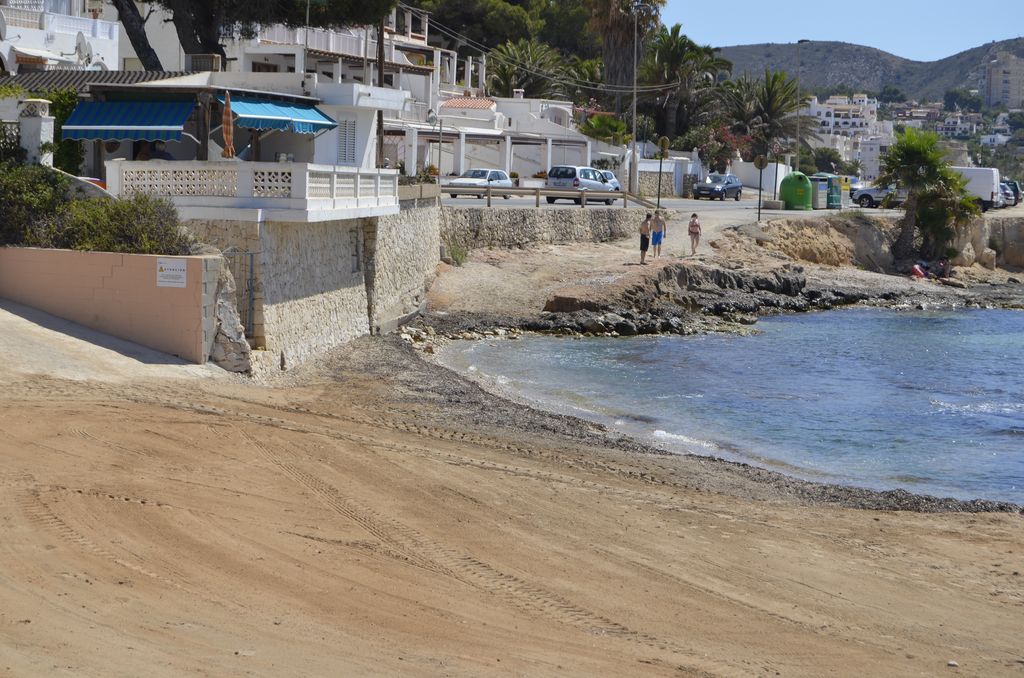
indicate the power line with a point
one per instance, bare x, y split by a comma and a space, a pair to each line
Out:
556, 78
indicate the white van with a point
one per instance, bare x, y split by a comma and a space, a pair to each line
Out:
983, 184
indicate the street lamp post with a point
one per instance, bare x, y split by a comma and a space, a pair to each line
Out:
432, 119
634, 166
799, 101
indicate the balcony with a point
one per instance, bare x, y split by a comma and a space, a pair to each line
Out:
259, 191
34, 16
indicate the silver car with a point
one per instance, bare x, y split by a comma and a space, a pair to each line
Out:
482, 178
578, 178
613, 181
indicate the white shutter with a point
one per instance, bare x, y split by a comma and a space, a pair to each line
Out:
347, 142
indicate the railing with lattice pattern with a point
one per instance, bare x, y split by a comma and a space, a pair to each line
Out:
291, 186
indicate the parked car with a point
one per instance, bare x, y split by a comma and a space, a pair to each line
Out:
574, 177
613, 181
1009, 199
482, 178
1016, 188
873, 196
999, 201
719, 186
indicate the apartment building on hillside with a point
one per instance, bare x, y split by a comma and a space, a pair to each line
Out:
1004, 81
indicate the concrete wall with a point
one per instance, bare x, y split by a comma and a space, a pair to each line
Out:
474, 227
117, 294
400, 259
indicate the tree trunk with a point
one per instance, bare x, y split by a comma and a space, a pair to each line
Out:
903, 248
671, 115
135, 26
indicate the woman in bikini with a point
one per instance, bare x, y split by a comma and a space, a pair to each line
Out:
694, 230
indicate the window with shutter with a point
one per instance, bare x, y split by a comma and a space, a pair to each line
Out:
346, 142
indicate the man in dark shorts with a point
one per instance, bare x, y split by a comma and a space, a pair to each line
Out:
645, 238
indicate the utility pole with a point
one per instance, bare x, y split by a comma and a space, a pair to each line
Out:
799, 101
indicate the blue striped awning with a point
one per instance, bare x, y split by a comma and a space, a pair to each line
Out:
150, 120
251, 113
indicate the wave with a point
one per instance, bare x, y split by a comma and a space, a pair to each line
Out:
978, 408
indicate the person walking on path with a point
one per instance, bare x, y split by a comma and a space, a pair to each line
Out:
658, 232
645, 238
694, 230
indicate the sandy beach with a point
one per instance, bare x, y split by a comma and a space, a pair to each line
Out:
372, 513
376, 515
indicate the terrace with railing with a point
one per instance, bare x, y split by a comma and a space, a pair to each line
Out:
284, 191
54, 16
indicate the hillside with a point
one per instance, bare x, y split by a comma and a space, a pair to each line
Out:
827, 64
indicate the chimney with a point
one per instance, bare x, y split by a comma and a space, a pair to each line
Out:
518, 93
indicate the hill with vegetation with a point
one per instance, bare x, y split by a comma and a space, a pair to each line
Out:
837, 64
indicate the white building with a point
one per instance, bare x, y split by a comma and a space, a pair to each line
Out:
516, 134
870, 156
956, 126
994, 140
843, 121
40, 35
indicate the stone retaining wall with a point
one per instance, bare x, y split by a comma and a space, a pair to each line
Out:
649, 184
401, 256
475, 227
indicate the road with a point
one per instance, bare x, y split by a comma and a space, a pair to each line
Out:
742, 210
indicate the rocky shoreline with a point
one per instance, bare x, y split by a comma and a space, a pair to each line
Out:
695, 297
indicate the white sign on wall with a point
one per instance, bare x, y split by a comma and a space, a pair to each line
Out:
171, 272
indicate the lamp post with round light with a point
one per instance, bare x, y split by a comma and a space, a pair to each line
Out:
634, 166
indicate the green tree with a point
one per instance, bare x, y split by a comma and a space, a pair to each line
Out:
613, 20
777, 106
891, 95
485, 22
1016, 121
606, 128
740, 106
961, 99
687, 72
527, 64
915, 163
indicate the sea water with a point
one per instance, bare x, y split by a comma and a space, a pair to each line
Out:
932, 402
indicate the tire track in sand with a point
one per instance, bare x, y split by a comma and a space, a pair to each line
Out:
423, 552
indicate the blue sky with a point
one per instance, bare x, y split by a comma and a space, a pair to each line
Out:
902, 27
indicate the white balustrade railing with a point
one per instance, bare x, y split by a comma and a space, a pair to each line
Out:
298, 186
72, 25
315, 38
22, 18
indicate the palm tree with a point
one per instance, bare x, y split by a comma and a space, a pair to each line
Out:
606, 128
688, 72
526, 64
915, 163
739, 99
613, 20
777, 107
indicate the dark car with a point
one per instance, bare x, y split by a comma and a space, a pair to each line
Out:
719, 186
1016, 188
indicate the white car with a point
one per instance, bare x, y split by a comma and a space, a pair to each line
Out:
482, 178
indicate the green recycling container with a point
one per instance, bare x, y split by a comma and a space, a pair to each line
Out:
835, 193
834, 190
795, 191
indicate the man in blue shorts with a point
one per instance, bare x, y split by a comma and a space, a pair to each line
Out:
657, 232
